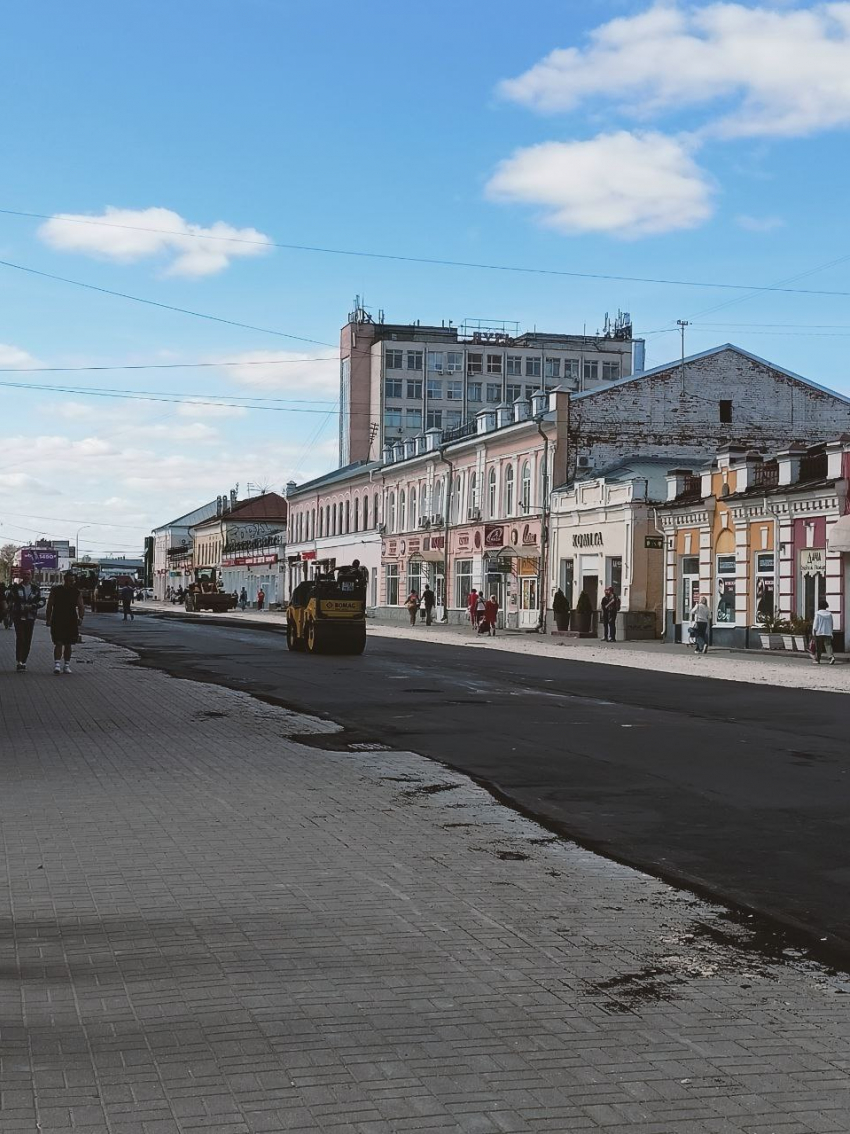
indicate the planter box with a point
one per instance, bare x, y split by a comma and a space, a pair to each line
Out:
788, 641
765, 641
801, 642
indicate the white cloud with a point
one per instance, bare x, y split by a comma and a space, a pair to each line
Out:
196, 251
195, 431
12, 356
24, 482
759, 224
622, 183
785, 72
306, 375
193, 409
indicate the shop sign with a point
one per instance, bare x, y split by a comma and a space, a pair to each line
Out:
308, 554
247, 560
39, 559
494, 535
434, 543
529, 537
813, 561
656, 543
587, 539
463, 540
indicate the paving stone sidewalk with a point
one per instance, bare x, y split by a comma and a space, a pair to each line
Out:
216, 917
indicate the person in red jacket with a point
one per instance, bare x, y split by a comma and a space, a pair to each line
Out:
471, 606
491, 614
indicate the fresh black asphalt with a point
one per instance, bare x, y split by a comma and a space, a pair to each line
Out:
737, 790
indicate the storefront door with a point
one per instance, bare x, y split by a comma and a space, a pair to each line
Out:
690, 587
529, 613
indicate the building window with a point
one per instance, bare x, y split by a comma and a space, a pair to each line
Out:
391, 575
456, 500
553, 368
454, 361
494, 364
435, 360
435, 388
494, 391
453, 418
474, 494
333, 520
765, 575
610, 372
725, 614
392, 419
434, 419
414, 360
529, 392
725, 411
347, 516
591, 370
393, 387
463, 581
365, 513
454, 391
357, 513
393, 359
414, 387
391, 512
412, 508
402, 512
570, 367
512, 392
413, 418
509, 490
375, 510
439, 497
532, 366
474, 363
525, 489
514, 365
614, 574
473, 391
491, 494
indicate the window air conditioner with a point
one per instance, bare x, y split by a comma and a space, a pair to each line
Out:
473, 514
437, 521
424, 522
382, 529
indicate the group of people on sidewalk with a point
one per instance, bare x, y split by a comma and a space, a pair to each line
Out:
423, 605
22, 600
483, 613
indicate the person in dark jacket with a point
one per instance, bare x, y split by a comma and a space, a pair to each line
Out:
127, 602
428, 600
610, 606
24, 599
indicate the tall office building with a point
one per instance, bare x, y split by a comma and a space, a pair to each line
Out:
397, 380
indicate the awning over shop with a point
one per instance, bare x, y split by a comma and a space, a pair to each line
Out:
434, 556
516, 552
838, 538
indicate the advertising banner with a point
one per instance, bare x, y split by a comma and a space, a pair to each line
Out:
39, 559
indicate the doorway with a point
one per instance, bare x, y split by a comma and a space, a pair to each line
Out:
528, 609
590, 586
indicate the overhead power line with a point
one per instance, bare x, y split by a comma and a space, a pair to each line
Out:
405, 259
159, 366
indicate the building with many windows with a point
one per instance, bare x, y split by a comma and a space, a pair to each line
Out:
397, 380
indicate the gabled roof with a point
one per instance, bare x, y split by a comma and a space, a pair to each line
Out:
672, 366
344, 473
196, 516
268, 506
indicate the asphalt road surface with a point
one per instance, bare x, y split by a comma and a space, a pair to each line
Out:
737, 790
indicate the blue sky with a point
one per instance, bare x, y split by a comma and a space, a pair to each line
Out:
702, 142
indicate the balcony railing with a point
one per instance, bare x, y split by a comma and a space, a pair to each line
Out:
467, 429
766, 475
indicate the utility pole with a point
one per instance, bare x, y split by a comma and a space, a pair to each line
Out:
681, 324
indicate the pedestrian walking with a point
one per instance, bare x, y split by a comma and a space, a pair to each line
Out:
491, 613
822, 629
412, 605
5, 617
610, 606
24, 599
480, 609
261, 598
127, 603
428, 600
243, 599
472, 607
64, 616
700, 615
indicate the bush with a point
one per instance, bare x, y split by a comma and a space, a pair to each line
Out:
584, 606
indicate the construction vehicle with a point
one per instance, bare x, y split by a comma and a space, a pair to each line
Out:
100, 593
206, 593
328, 614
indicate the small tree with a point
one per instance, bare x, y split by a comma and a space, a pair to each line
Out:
7, 557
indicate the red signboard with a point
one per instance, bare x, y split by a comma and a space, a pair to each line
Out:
247, 560
494, 535
308, 555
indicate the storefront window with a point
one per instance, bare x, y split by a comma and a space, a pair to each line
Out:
392, 584
565, 577
725, 614
417, 575
690, 585
614, 572
812, 580
463, 581
765, 575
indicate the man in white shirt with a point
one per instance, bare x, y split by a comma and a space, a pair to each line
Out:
822, 629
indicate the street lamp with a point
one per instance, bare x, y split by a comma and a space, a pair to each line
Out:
82, 528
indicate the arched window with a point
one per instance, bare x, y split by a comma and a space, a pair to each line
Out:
365, 513
509, 490
525, 489
474, 495
347, 516
391, 520
312, 523
456, 501
440, 498
376, 517
491, 493
357, 513
333, 520
327, 519
412, 509
402, 512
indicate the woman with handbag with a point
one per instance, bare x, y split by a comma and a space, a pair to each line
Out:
64, 616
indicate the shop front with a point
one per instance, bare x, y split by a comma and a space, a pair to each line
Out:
256, 568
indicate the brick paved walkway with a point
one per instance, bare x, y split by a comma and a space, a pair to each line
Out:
211, 922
